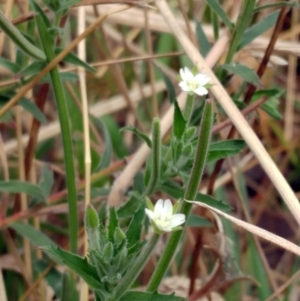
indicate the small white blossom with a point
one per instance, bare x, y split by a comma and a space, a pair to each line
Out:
162, 217
193, 83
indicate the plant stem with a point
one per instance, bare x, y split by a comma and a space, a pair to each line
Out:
190, 193
156, 157
188, 110
240, 28
135, 269
65, 131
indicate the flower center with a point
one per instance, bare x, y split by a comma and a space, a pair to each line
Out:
192, 84
163, 220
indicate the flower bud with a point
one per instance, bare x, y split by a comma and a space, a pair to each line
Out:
91, 219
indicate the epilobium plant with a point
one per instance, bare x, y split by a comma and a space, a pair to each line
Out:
117, 255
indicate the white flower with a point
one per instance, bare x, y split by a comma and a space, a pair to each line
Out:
162, 217
193, 83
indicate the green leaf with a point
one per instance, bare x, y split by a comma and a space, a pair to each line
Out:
223, 149
216, 6
277, 5
203, 42
67, 4
64, 77
11, 66
134, 230
258, 29
247, 74
15, 186
113, 223
138, 183
108, 151
120, 148
197, 221
34, 68
38, 9
74, 59
130, 205
218, 204
76, 264
169, 85
143, 296
179, 122
271, 106
137, 132
102, 214
35, 236
33, 109
174, 190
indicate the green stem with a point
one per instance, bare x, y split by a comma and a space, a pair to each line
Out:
240, 28
190, 193
156, 157
65, 132
136, 268
188, 110
19, 39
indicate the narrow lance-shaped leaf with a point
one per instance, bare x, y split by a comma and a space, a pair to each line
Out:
76, 264
258, 29
137, 132
16, 36
36, 237
197, 221
33, 109
223, 149
134, 230
216, 6
179, 122
113, 223
247, 74
174, 190
277, 5
16, 186
11, 66
203, 42
108, 151
74, 59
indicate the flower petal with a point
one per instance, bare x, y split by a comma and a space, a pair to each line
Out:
202, 79
182, 74
149, 213
177, 220
188, 75
168, 207
159, 206
201, 91
184, 86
